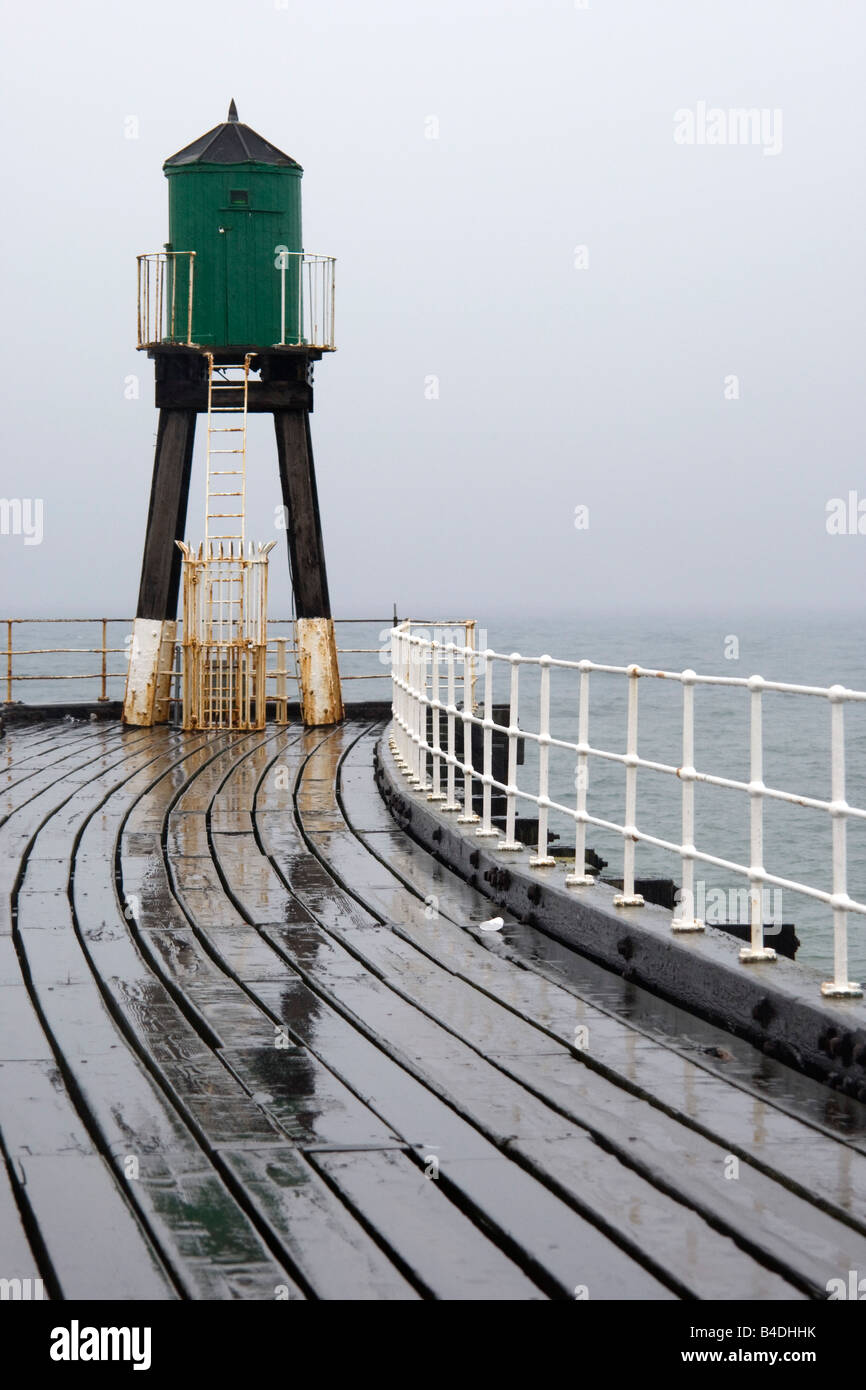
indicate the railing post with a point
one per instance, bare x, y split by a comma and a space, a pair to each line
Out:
301, 325
411, 718
486, 829
404, 704
840, 987
281, 701
313, 295
756, 950
406, 722
580, 878
138, 301
436, 794
511, 844
189, 300
541, 859
470, 639
333, 297
395, 693
469, 816
172, 268
104, 695
684, 918
403, 755
414, 705
628, 897
420, 723
284, 256
451, 803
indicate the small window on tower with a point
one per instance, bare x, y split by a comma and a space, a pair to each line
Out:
239, 195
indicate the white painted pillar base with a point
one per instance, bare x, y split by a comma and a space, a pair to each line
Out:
148, 681
321, 694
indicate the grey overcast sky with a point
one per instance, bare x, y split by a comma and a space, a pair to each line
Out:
598, 378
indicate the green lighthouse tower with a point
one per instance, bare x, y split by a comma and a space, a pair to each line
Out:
234, 313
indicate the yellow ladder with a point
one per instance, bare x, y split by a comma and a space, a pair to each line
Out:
226, 483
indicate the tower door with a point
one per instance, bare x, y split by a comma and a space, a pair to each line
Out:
251, 304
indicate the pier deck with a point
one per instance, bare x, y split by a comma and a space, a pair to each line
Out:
254, 1045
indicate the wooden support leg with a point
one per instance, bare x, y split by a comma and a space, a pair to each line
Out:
321, 697
145, 701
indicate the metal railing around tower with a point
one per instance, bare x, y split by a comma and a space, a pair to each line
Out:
307, 292
165, 297
307, 287
433, 740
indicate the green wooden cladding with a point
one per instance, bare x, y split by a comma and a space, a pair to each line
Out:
234, 217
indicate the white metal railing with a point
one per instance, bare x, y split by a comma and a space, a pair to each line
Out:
307, 285
165, 297
423, 668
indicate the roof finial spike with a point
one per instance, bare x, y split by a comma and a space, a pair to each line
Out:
233, 111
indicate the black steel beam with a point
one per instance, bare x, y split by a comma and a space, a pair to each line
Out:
300, 499
166, 517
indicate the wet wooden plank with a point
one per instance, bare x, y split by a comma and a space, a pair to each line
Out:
311, 1105
19, 1262
493, 1103
507, 1198
381, 1008
54, 753
528, 1213
224, 1109
199, 793
755, 1208
333, 1252
191, 753
49, 795
96, 1246
444, 1251
610, 1255
212, 1246
668, 1236
233, 799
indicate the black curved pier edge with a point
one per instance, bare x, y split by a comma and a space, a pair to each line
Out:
776, 1006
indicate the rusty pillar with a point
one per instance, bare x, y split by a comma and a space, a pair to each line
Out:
321, 698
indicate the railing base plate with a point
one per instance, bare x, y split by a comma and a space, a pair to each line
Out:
849, 991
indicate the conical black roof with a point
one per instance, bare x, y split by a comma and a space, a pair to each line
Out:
232, 143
